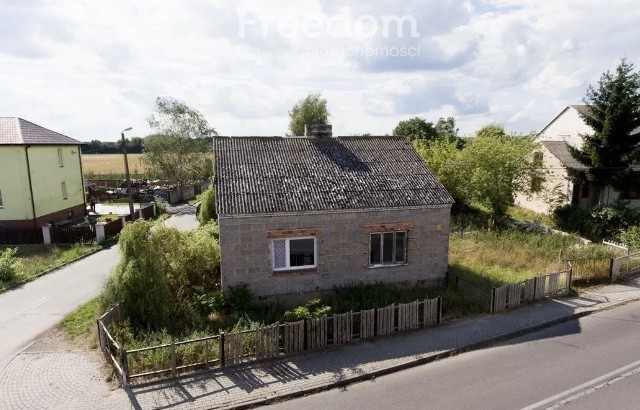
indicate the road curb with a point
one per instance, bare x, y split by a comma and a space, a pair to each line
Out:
429, 358
50, 270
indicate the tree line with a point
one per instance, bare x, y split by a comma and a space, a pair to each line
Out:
135, 145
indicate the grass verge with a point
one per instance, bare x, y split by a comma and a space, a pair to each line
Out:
35, 259
80, 325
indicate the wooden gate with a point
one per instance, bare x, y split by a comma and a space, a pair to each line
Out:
342, 328
267, 341
294, 337
386, 322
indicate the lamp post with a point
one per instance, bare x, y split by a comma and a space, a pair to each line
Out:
126, 172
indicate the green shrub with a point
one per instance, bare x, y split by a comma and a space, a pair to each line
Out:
9, 265
161, 274
631, 237
572, 219
603, 222
609, 221
238, 298
311, 310
207, 207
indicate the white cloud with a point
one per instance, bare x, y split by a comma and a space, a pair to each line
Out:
90, 69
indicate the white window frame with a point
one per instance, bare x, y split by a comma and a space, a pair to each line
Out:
288, 256
1, 203
63, 187
385, 265
60, 158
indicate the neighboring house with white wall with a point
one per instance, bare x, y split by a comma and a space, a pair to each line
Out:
567, 128
40, 175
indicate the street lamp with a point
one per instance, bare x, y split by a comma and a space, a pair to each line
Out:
126, 171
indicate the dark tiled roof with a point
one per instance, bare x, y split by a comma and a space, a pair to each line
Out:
274, 174
582, 109
560, 150
16, 131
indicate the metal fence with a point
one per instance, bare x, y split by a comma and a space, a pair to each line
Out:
73, 234
625, 265
530, 290
21, 236
113, 228
267, 342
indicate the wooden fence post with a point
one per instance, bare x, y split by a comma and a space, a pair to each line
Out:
173, 358
440, 303
206, 354
221, 349
100, 336
493, 296
125, 367
611, 270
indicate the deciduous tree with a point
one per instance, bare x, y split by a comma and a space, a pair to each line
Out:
180, 150
310, 110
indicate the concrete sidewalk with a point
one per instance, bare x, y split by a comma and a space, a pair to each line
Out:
72, 380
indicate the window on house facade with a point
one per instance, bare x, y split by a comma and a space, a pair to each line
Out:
294, 253
388, 248
60, 161
63, 186
630, 191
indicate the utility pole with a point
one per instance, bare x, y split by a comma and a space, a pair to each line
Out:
126, 172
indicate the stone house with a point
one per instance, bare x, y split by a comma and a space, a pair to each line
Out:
40, 175
306, 214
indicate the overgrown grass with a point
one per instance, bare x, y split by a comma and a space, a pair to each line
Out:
523, 214
82, 321
108, 217
35, 259
494, 258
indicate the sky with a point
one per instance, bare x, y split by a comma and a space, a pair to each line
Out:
91, 68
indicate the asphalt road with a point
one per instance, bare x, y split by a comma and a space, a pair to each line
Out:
593, 363
37, 306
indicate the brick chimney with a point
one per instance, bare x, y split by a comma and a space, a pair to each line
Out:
318, 131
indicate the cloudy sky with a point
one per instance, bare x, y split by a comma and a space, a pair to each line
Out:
89, 68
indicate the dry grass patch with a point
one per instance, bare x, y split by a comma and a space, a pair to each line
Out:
493, 258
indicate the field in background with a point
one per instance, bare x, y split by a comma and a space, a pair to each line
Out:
111, 164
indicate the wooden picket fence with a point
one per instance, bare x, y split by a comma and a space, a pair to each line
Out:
591, 270
625, 266
530, 290
264, 343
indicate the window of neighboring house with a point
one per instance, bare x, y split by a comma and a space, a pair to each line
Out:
388, 248
1, 206
537, 180
294, 253
63, 186
60, 161
631, 190
584, 190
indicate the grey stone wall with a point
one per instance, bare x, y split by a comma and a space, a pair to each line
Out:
343, 249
